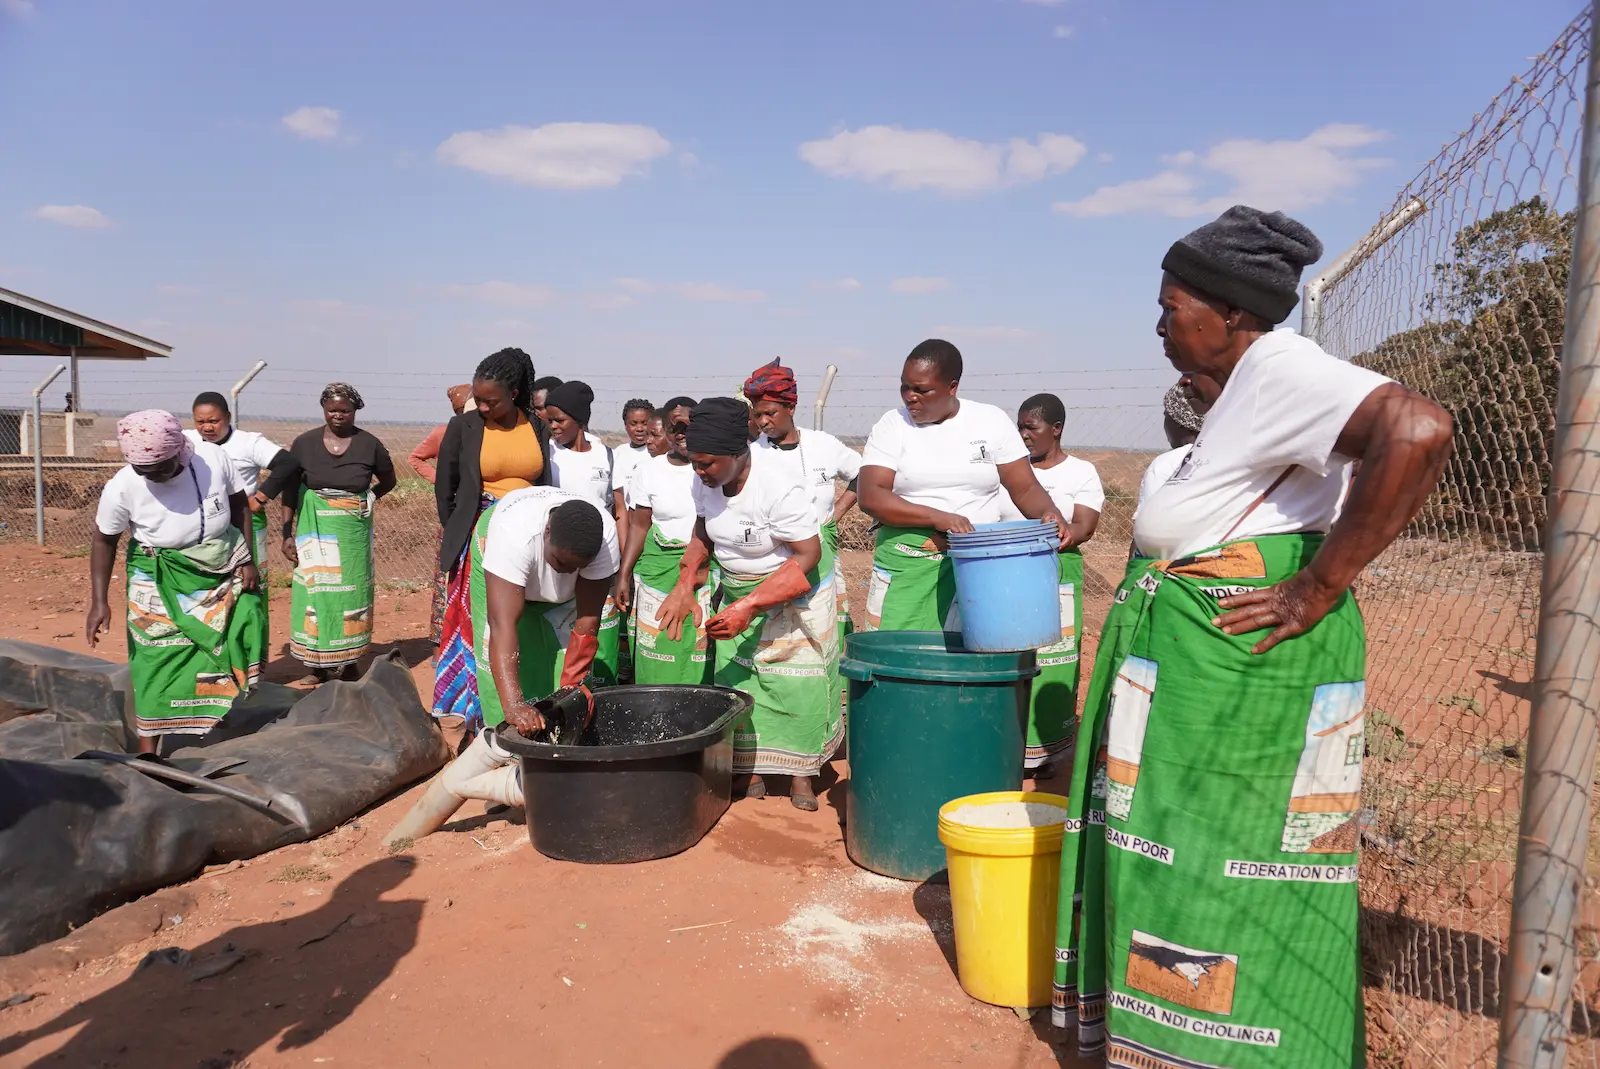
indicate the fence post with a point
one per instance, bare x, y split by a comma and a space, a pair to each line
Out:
1552, 844
1349, 260
822, 396
238, 388
38, 452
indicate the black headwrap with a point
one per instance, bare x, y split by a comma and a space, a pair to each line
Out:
720, 427
574, 398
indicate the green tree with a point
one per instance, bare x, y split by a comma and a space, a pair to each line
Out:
1490, 352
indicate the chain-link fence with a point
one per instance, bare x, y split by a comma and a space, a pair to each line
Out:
1464, 303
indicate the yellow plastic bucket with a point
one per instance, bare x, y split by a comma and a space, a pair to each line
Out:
1003, 884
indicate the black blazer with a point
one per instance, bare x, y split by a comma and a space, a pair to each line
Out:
458, 481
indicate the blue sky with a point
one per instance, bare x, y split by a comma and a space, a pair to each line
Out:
649, 195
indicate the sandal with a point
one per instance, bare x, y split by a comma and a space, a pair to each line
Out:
807, 802
757, 788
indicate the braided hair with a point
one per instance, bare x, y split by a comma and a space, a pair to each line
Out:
342, 390
512, 370
636, 404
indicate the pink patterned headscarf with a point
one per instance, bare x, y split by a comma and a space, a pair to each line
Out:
151, 436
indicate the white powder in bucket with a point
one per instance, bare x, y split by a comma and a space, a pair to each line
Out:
1009, 815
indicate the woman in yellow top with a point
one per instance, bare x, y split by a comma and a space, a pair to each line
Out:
499, 447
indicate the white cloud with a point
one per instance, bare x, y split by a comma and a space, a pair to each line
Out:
1273, 175
932, 159
328, 315
842, 284
714, 293
609, 302
1061, 33
990, 334
510, 294
1102, 157
919, 284
710, 292
22, 9
75, 215
312, 123
558, 155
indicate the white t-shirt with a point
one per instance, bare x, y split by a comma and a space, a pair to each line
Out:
1285, 405
514, 548
750, 529
184, 511
588, 474
825, 459
626, 462
1071, 483
950, 466
1160, 470
667, 490
249, 451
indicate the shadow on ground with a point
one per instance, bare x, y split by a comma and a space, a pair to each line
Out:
224, 1000
769, 1052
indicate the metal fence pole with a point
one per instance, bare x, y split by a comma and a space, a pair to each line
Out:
238, 388
822, 396
1349, 260
38, 452
1552, 844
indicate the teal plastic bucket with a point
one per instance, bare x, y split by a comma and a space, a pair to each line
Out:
929, 721
1006, 584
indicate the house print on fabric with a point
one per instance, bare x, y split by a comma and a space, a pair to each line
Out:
319, 558
1327, 785
1131, 695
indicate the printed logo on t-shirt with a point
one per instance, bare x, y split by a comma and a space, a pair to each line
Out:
215, 506
980, 453
750, 536
1185, 469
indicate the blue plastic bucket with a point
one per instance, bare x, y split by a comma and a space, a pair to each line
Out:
1006, 580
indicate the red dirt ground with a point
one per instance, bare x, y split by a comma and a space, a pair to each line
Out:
761, 948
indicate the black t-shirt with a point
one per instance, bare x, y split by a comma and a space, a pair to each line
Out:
351, 472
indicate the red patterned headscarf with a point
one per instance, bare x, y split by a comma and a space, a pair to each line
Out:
772, 382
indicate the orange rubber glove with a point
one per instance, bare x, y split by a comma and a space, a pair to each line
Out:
581, 651
680, 604
785, 584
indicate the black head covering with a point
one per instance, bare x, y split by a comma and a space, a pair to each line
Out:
574, 398
720, 426
1250, 258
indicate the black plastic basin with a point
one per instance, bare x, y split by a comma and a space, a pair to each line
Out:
651, 775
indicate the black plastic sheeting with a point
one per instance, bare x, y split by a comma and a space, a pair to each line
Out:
81, 835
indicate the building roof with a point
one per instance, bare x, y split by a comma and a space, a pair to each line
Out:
30, 327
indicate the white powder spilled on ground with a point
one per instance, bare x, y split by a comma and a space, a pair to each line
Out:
1009, 815
851, 932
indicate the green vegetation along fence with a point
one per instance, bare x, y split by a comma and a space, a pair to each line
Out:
1463, 299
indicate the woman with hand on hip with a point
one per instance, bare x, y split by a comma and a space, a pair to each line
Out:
661, 522
328, 535
776, 634
938, 465
194, 616
494, 449
1218, 772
